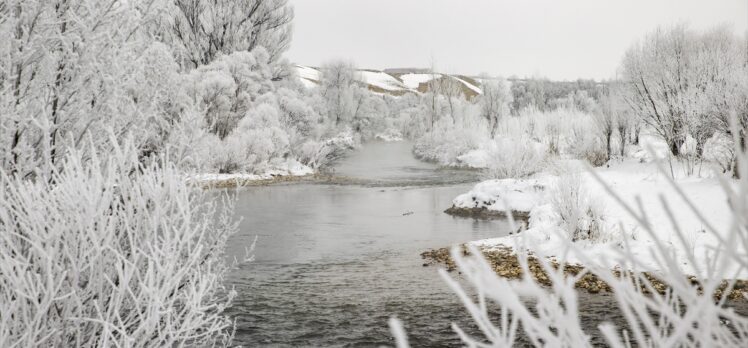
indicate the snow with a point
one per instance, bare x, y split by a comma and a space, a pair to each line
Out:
477, 159
308, 73
506, 194
308, 83
391, 135
309, 76
382, 80
470, 86
289, 168
631, 180
412, 81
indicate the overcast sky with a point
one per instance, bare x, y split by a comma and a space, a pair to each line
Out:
559, 39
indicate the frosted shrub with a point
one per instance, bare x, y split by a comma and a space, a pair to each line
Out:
257, 141
514, 158
111, 253
685, 315
561, 130
719, 150
580, 219
319, 154
586, 145
226, 88
449, 140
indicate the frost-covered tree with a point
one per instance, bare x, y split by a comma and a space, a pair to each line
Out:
296, 112
722, 63
71, 68
682, 83
451, 89
338, 88
605, 116
226, 89
495, 101
201, 30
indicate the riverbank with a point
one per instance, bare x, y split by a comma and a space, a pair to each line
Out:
219, 181
504, 261
637, 184
290, 171
494, 199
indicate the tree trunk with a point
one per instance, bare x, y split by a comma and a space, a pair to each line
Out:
740, 152
675, 147
607, 144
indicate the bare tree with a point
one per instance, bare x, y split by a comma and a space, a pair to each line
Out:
656, 73
683, 83
451, 89
605, 120
433, 91
199, 30
495, 101
68, 59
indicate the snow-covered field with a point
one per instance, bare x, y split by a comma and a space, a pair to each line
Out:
633, 182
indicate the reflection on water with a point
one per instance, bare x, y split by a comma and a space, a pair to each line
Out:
334, 262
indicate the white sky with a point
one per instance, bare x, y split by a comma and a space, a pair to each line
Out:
559, 39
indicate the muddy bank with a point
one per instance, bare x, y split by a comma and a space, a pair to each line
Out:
486, 214
505, 263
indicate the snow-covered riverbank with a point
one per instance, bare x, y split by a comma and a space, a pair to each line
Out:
639, 185
289, 171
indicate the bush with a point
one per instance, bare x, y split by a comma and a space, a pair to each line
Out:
589, 148
320, 154
719, 150
546, 310
579, 217
514, 158
560, 130
111, 253
448, 141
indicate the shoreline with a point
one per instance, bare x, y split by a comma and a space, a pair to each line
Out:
505, 264
251, 180
484, 213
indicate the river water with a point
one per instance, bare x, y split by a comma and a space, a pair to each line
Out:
335, 261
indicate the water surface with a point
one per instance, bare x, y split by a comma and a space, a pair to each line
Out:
335, 261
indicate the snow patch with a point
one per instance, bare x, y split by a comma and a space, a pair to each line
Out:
631, 180
391, 135
381, 80
503, 195
288, 168
470, 86
308, 73
412, 81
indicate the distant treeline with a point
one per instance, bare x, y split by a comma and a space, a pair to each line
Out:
547, 95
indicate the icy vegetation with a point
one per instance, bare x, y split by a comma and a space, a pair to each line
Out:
686, 314
669, 207
114, 115
108, 251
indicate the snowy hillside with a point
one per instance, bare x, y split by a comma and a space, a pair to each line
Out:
394, 83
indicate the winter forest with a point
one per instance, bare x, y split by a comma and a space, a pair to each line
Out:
170, 175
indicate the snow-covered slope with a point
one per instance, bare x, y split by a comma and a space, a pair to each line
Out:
394, 84
412, 81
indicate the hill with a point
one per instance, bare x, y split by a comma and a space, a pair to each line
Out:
397, 82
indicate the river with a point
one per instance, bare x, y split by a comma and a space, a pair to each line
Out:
335, 261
